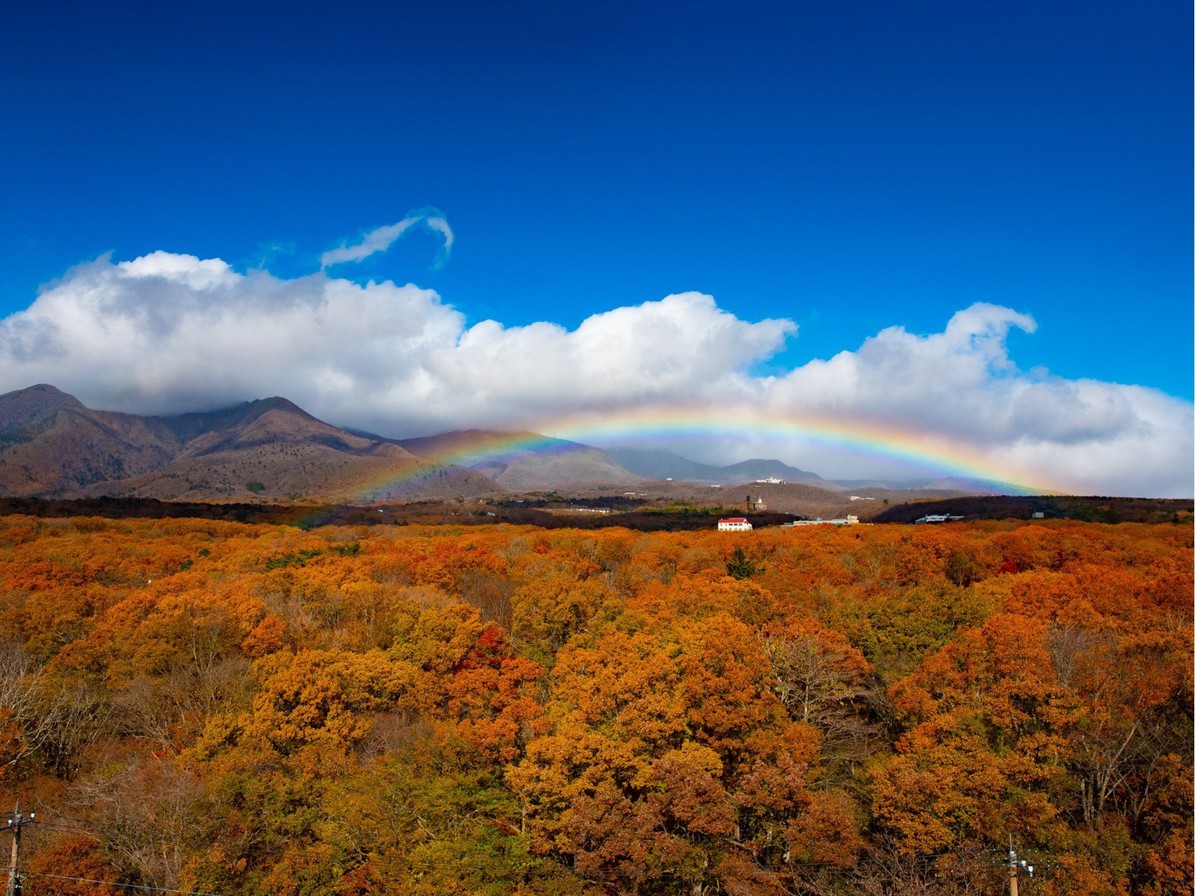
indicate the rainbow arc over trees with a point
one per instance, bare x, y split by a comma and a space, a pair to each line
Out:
934, 452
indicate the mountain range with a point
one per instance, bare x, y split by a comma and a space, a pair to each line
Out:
51, 445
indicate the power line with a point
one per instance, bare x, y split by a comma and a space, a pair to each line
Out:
110, 883
17, 822
57, 827
44, 811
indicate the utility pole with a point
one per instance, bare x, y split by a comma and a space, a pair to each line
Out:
15, 824
1015, 866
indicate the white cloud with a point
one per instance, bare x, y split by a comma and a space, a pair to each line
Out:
959, 381
168, 333
380, 239
658, 351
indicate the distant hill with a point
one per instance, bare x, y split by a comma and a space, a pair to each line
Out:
51, 445
930, 484
1085, 508
755, 470
525, 462
653, 463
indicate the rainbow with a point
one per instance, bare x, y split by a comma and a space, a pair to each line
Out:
934, 453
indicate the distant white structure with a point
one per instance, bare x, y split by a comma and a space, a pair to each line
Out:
734, 524
938, 518
771, 480
849, 520
862, 498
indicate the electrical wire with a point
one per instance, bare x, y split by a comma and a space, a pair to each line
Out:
108, 883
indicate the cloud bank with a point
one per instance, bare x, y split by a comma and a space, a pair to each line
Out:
168, 333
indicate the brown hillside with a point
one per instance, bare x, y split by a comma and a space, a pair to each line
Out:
53, 446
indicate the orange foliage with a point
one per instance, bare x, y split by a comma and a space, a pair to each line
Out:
390, 709
73, 866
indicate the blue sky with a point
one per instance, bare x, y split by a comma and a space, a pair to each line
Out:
847, 167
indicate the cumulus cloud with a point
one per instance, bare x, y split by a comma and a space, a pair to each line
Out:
959, 381
168, 333
662, 352
380, 239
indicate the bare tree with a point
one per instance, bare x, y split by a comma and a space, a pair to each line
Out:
42, 717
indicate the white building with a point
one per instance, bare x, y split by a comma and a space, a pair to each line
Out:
849, 520
734, 524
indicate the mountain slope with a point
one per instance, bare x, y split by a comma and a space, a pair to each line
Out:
52, 445
523, 461
753, 470
652, 463
659, 464
27, 407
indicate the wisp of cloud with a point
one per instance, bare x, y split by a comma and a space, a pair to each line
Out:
381, 238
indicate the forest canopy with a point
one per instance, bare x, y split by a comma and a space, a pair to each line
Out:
229, 708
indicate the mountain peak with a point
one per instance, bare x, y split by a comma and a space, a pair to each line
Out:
191, 425
34, 404
42, 389
51, 444
275, 403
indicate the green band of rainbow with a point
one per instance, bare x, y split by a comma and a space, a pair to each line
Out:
933, 452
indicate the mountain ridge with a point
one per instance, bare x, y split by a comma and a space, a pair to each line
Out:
53, 446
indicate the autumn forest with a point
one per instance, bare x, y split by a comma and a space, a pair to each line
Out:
225, 708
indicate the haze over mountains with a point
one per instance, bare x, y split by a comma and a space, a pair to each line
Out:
51, 445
